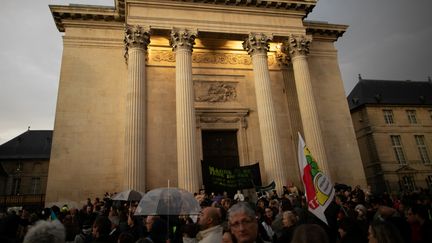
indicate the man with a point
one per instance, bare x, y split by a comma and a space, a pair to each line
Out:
46, 231
239, 197
243, 223
209, 223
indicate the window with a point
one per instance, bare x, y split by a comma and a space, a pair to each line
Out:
388, 116
421, 145
411, 116
408, 183
35, 188
397, 148
16, 184
429, 181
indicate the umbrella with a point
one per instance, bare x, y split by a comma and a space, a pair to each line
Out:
129, 195
168, 201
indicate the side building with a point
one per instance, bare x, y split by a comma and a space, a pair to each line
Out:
24, 163
393, 125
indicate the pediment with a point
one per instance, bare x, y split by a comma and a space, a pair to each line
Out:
406, 169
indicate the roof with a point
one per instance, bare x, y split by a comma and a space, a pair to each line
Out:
390, 92
32, 144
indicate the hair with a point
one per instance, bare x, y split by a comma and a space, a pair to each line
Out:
103, 225
241, 207
385, 232
286, 204
47, 232
159, 231
125, 237
291, 216
191, 230
310, 233
420, 210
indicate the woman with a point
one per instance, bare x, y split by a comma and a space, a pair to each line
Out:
289, 222
266, 222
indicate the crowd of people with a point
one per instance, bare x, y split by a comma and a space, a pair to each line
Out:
355, 215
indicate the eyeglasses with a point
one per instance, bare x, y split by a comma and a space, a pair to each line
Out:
246, 222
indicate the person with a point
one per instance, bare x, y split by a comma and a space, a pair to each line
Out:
158, 233
125, 238
421, 216
189, 232
350, 231
414, 226
243, 224
72, 227
266, 222
149, 220
239, 197
85, 236
227, 236
293, 189
134, 226
209, 222
289, 221
46, 231
383, 232
115, 230
309, 233
274, 195
101, 230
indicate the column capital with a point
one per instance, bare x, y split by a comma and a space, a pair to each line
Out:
257, 43
297, 45
136, 36
183, 38
283, 58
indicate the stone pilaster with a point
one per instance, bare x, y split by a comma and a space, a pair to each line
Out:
298, 48
136, 41
257, 46
182, 42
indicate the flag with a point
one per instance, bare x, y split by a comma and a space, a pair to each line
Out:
318, 187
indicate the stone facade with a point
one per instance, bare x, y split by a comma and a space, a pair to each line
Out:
396, 151
209, 65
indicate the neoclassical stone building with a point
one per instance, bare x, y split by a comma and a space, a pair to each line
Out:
148, 89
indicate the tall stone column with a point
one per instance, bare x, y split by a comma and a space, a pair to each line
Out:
286, 67
298, 48
136, 41
182, 42
257, 46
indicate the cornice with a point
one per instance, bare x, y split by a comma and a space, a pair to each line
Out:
74, 12
324, 31
299, 5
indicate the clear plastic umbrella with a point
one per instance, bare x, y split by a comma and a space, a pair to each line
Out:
129, 195
168, 201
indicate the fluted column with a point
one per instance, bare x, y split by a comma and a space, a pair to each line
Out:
284, 61
136, 41
182, 42
298, 48
257, 46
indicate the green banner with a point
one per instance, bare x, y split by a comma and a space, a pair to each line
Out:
222, 179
